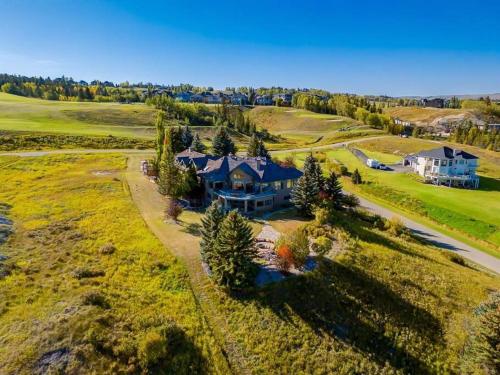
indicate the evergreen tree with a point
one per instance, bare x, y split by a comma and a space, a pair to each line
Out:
333, 191
197, 145
176, 139
187, 137
160, 134
222, 143
234, 250
256, 147
210, 224
306, 192
356, 177
169, 177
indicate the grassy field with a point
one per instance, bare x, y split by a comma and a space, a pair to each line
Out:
78, 118
457, 209
301, 127
86, 287
389, 305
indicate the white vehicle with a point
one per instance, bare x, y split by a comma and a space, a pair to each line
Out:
372, 163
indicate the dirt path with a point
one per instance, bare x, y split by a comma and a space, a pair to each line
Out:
183, 241
328, 146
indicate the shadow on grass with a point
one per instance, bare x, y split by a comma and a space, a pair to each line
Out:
192, 228
351, 306
488, 184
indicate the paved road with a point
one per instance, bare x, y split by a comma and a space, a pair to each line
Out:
326, 147
437, 239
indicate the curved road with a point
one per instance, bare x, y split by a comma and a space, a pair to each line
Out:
434, 237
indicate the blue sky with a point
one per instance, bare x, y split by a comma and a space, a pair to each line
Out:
365, 47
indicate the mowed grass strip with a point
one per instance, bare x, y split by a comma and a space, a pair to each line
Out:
86, 280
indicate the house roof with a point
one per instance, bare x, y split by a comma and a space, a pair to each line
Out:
445, 153
190, 156
261, 169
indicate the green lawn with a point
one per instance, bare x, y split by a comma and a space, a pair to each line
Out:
77, 118
99, 309
461, 210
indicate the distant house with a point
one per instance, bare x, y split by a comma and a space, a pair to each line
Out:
491, 127
183, 96
245, 183
398, 121
238, 98
264, 100
285, 99
435, 102
446, 166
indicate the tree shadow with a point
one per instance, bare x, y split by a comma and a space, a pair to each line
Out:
347, 304
192, 228
183, 357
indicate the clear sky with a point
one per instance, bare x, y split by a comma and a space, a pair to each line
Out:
365, 47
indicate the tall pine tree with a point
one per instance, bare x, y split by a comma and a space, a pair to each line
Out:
170, 180
356, 177
210, 225
256, 147
197, 145
232, 264
187, 137
222, 143
306, 192
160, 134
333, 191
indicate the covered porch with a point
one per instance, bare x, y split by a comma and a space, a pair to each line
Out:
246, 203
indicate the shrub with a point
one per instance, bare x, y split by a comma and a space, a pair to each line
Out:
395, 226
83, 272
378, 222
356, 177
344, 171
350, 200
107, 249
284, 259
322, 245
95, 298
152, 348
455, 258
322, 216
173, 210
299, 245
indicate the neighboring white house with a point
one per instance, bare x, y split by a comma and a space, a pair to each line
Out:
446, 166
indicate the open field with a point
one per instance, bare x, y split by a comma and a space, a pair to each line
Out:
77, 118
389, 305
86, 287
456, 209
301, 127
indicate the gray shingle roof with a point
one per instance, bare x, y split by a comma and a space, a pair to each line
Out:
445, 153
261, 169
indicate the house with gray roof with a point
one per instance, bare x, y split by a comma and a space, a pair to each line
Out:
249, 184
445, 166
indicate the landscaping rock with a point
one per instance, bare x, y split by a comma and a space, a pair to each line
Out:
53, 362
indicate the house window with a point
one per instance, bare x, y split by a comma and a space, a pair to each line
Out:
268, 202
436, 162
282, 184
260, 203
289, 184
443, 163
450, 163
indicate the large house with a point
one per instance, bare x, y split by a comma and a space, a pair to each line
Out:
249, 184
445, 166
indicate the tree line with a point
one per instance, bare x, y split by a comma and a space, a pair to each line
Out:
470, 134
